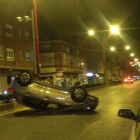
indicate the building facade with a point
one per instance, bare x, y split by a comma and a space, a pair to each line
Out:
16, 47
59, 58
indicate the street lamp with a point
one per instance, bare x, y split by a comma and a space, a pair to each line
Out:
91, 32
26, 19
112, 48
127, 47
113, 30
136, 59
131, 54
35, 35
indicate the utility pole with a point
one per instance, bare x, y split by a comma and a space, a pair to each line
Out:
36, 37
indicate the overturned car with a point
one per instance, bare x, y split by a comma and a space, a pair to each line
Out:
30, 91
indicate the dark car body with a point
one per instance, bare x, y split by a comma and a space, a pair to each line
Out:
32, 92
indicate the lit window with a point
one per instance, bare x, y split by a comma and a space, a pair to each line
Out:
10, 54
9, 30
1, 52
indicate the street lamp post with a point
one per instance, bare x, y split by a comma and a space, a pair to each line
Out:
26, 19
104, 59
36, 37
113, 30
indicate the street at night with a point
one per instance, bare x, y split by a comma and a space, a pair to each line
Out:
101, 124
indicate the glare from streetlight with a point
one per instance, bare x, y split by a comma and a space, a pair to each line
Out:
112, 49
131, 54
19, 18
27, 17
136, 59
91, 32
114, 30
127, 47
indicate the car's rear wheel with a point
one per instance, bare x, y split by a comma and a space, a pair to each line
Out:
25, 78
79, 95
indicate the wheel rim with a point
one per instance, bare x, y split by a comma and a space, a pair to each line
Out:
79, 93
25, 77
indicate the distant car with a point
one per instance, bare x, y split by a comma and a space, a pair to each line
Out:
128, 113
30, 91
128, 80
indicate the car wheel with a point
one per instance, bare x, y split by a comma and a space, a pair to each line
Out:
79, 95
24, 79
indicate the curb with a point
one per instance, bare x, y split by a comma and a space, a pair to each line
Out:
10, 106
97, 87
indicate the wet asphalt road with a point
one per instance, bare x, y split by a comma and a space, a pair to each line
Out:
102, 124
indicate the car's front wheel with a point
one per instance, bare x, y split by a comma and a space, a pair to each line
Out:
79, 95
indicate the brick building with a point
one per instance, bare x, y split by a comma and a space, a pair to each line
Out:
16, 47
61, 58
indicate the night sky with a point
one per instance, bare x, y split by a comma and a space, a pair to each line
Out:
73, 18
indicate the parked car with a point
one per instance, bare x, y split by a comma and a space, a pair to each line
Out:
128, 80
128, 113
32, 92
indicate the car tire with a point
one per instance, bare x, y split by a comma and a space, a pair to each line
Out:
24, 78
79, 95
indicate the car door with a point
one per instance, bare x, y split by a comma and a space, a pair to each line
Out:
137, 126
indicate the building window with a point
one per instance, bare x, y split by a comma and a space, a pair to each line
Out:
21, 55
29, 56
9, 30
1, 52
19, 32
10, 54
26, 35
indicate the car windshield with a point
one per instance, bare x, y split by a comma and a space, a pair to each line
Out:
67, 67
